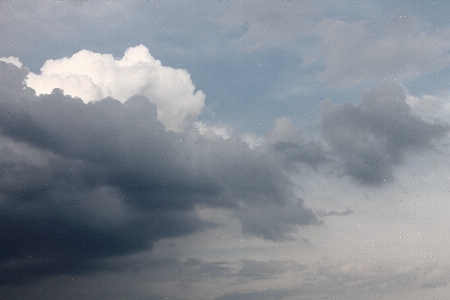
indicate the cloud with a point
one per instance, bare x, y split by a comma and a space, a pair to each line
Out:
267, 25
323, 213
339, 50
358, 52
222, 131
284, 131
11, 80
12, 60
372, 138
295, 146
80, 182
430, 107
264, 294
266, 269
94, 76
274, 222
351, 282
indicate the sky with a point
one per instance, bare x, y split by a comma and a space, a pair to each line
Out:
219, 150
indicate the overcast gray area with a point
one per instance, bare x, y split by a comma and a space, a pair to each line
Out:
224, 150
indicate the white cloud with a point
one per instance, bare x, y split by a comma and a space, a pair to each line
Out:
225, 132
283, 130
222, 131
253, 140
430, 107
12, 60
94, 76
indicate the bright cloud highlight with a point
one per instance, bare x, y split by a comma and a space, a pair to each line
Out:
93, 76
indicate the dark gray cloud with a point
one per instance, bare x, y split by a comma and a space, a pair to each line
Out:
333, 212
82, 182
373, 137
293, 145
276, 222
311, 153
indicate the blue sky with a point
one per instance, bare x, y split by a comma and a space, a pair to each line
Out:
224, 149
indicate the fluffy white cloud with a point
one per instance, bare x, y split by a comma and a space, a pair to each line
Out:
94, 76
222, 131
430, 107
12, 60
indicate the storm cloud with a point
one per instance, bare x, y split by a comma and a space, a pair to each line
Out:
294, 146
80, 182
370, 139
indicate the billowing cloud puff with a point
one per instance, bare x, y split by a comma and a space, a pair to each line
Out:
94, 76
12, 60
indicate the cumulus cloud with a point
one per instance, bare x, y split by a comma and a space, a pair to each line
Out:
80, 182
222, 131
354, 52
11, 80
430, 107
94, 76
12, 60
284, 131
373, 137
